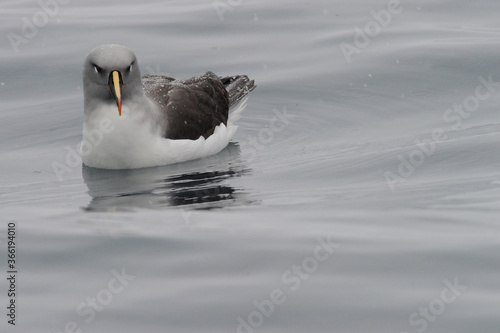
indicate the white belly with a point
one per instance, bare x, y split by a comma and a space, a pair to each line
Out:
130, 141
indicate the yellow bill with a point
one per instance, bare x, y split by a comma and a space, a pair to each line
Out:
115, 85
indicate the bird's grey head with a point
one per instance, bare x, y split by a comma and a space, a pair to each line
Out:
110, 75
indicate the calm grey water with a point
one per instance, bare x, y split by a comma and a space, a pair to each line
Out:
361, 192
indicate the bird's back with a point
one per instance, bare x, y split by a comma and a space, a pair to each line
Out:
195, 106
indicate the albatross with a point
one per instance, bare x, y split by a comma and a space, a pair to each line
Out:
136, 122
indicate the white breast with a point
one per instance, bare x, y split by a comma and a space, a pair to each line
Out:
133, 140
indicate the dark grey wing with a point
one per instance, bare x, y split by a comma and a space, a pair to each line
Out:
193, 107
238, 86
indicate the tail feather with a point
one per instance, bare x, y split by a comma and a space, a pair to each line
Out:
238, 87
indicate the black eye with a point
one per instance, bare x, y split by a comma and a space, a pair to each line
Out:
129, 69
98, 69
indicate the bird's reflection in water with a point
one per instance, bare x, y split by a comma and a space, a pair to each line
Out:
200, 184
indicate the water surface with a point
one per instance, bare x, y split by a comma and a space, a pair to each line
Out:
372, 207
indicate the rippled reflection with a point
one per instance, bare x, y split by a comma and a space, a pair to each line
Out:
201, 184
